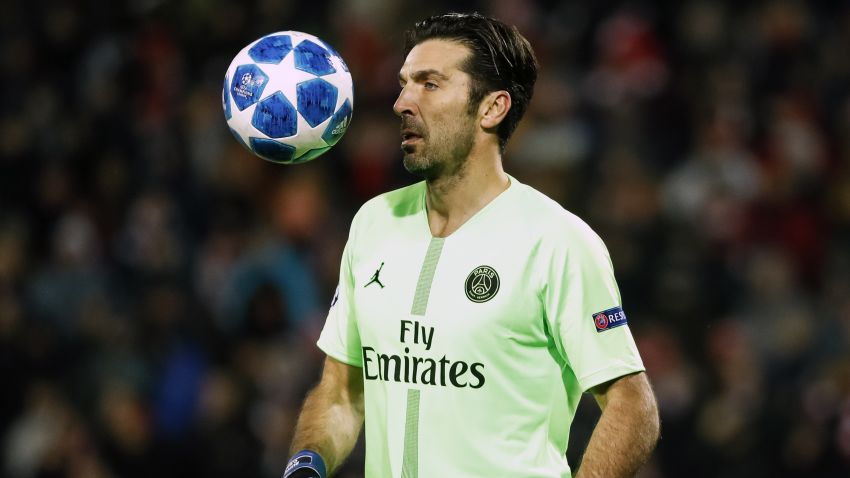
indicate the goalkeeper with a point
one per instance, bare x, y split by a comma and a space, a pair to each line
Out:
472, 311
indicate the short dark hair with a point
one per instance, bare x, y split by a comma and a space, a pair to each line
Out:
501, 59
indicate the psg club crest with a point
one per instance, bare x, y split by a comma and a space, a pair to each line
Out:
482, 284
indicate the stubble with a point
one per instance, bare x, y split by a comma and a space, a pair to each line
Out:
441, 153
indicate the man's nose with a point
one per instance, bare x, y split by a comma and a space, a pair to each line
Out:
404, 104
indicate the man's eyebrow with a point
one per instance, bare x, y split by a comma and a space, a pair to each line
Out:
419, 75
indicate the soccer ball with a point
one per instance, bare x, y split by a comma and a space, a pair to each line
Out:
288, 97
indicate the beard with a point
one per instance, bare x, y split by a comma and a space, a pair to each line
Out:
439, 155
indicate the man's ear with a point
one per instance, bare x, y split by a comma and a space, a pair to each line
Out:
494, 108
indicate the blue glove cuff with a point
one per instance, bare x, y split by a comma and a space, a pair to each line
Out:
305, 460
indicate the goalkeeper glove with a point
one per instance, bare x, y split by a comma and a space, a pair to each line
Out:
305, 464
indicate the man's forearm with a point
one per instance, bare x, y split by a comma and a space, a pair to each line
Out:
329, 425
626, 432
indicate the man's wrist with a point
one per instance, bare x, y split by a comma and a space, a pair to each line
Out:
305, 464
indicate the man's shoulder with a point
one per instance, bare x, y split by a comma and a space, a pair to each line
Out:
554, 228
392, 205
545, 215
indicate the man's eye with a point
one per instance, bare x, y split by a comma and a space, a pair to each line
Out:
430, 86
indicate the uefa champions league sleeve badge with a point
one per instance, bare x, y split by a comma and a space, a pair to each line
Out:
609, 319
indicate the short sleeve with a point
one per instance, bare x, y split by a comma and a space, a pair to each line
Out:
340, 338
580, 286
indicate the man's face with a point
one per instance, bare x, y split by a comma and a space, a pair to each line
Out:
437, 128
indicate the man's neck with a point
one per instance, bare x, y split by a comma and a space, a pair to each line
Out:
453, 200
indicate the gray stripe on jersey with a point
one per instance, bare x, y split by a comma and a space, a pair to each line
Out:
426, 276
410, 462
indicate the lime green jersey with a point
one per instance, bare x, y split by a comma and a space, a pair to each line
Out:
475, 348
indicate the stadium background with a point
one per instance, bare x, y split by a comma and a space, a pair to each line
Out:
161, 289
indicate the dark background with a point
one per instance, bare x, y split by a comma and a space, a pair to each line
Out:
161, 289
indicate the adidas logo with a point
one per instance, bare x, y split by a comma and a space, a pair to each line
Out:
340, 128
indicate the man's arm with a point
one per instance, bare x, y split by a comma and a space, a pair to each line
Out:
627, 430
332, 414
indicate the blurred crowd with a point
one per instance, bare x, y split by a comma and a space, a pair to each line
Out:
161, 289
